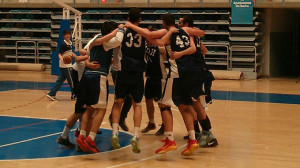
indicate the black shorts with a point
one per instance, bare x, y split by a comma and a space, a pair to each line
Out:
199, 81
184, 89
93, 91
153, 89
130, 83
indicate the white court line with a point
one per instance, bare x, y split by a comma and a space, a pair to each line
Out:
1, 146
144, 159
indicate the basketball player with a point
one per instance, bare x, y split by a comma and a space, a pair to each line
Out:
94, 88
112, 39
208, 139
130, 80
154, 74
66, 69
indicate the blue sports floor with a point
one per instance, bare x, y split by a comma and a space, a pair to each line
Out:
28, 136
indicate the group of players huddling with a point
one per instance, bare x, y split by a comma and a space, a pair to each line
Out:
136, 50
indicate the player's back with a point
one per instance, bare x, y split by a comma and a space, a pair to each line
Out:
180, 41
199, 60
103, 57
133, 52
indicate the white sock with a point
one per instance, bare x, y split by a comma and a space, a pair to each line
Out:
92, 135
83, 133
151, 121
115, 128
65, 132
136, 132
169, 135
192, 135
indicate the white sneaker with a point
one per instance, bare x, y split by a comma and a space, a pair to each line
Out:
51, 97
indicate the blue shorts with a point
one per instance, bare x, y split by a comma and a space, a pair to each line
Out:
153, 89
93, 91
185, 89
130, 83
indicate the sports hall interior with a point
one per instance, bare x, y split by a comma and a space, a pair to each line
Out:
255, 97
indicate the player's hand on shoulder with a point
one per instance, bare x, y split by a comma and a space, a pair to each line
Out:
173, 30
121, 26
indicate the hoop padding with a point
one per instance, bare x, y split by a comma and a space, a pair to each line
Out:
231, 75
22, 67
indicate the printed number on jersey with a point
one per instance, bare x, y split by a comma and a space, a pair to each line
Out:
183, 41
135, 41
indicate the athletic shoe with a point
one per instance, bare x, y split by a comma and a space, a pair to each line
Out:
65, 142
51, 97
168, 146
190, 148
197, 136
76, 132
208, 140
161, 130
115, 142
135, 145
123, 125
80, 141
91, 145
150, 126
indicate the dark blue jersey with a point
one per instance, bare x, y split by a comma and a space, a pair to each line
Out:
153, 69
133, 52
181, 41
65, 46
103, 57
199, 59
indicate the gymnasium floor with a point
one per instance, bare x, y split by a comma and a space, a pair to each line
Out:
255, 121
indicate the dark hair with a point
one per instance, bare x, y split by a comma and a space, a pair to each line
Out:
107, 27
169, 19
150, 28
189, 20
66, 31
134, 15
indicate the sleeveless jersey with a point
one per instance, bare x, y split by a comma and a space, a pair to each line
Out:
181, 41
199, 59
103, 57
154, 62
133, 52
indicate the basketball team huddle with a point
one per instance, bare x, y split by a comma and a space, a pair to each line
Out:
172, 60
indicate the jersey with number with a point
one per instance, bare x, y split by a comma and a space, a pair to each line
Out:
133, 52
181, 41
154, 62
199, 59
103, 57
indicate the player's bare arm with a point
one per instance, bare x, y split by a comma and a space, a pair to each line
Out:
194, 32
188, 51
145, 32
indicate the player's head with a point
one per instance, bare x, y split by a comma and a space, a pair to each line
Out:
168, 20
134, 15
107, 27
186, 21
150, 28
67, 34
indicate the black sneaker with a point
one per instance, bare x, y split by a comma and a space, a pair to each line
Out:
161, 131
150, 126
186, 137
73, 97
65, 142
123, 125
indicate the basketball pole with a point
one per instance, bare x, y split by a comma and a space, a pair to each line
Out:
76, 35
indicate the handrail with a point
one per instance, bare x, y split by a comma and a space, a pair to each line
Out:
38, 48
77, 12
25, 42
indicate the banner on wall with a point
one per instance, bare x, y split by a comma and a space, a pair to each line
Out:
242, 12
